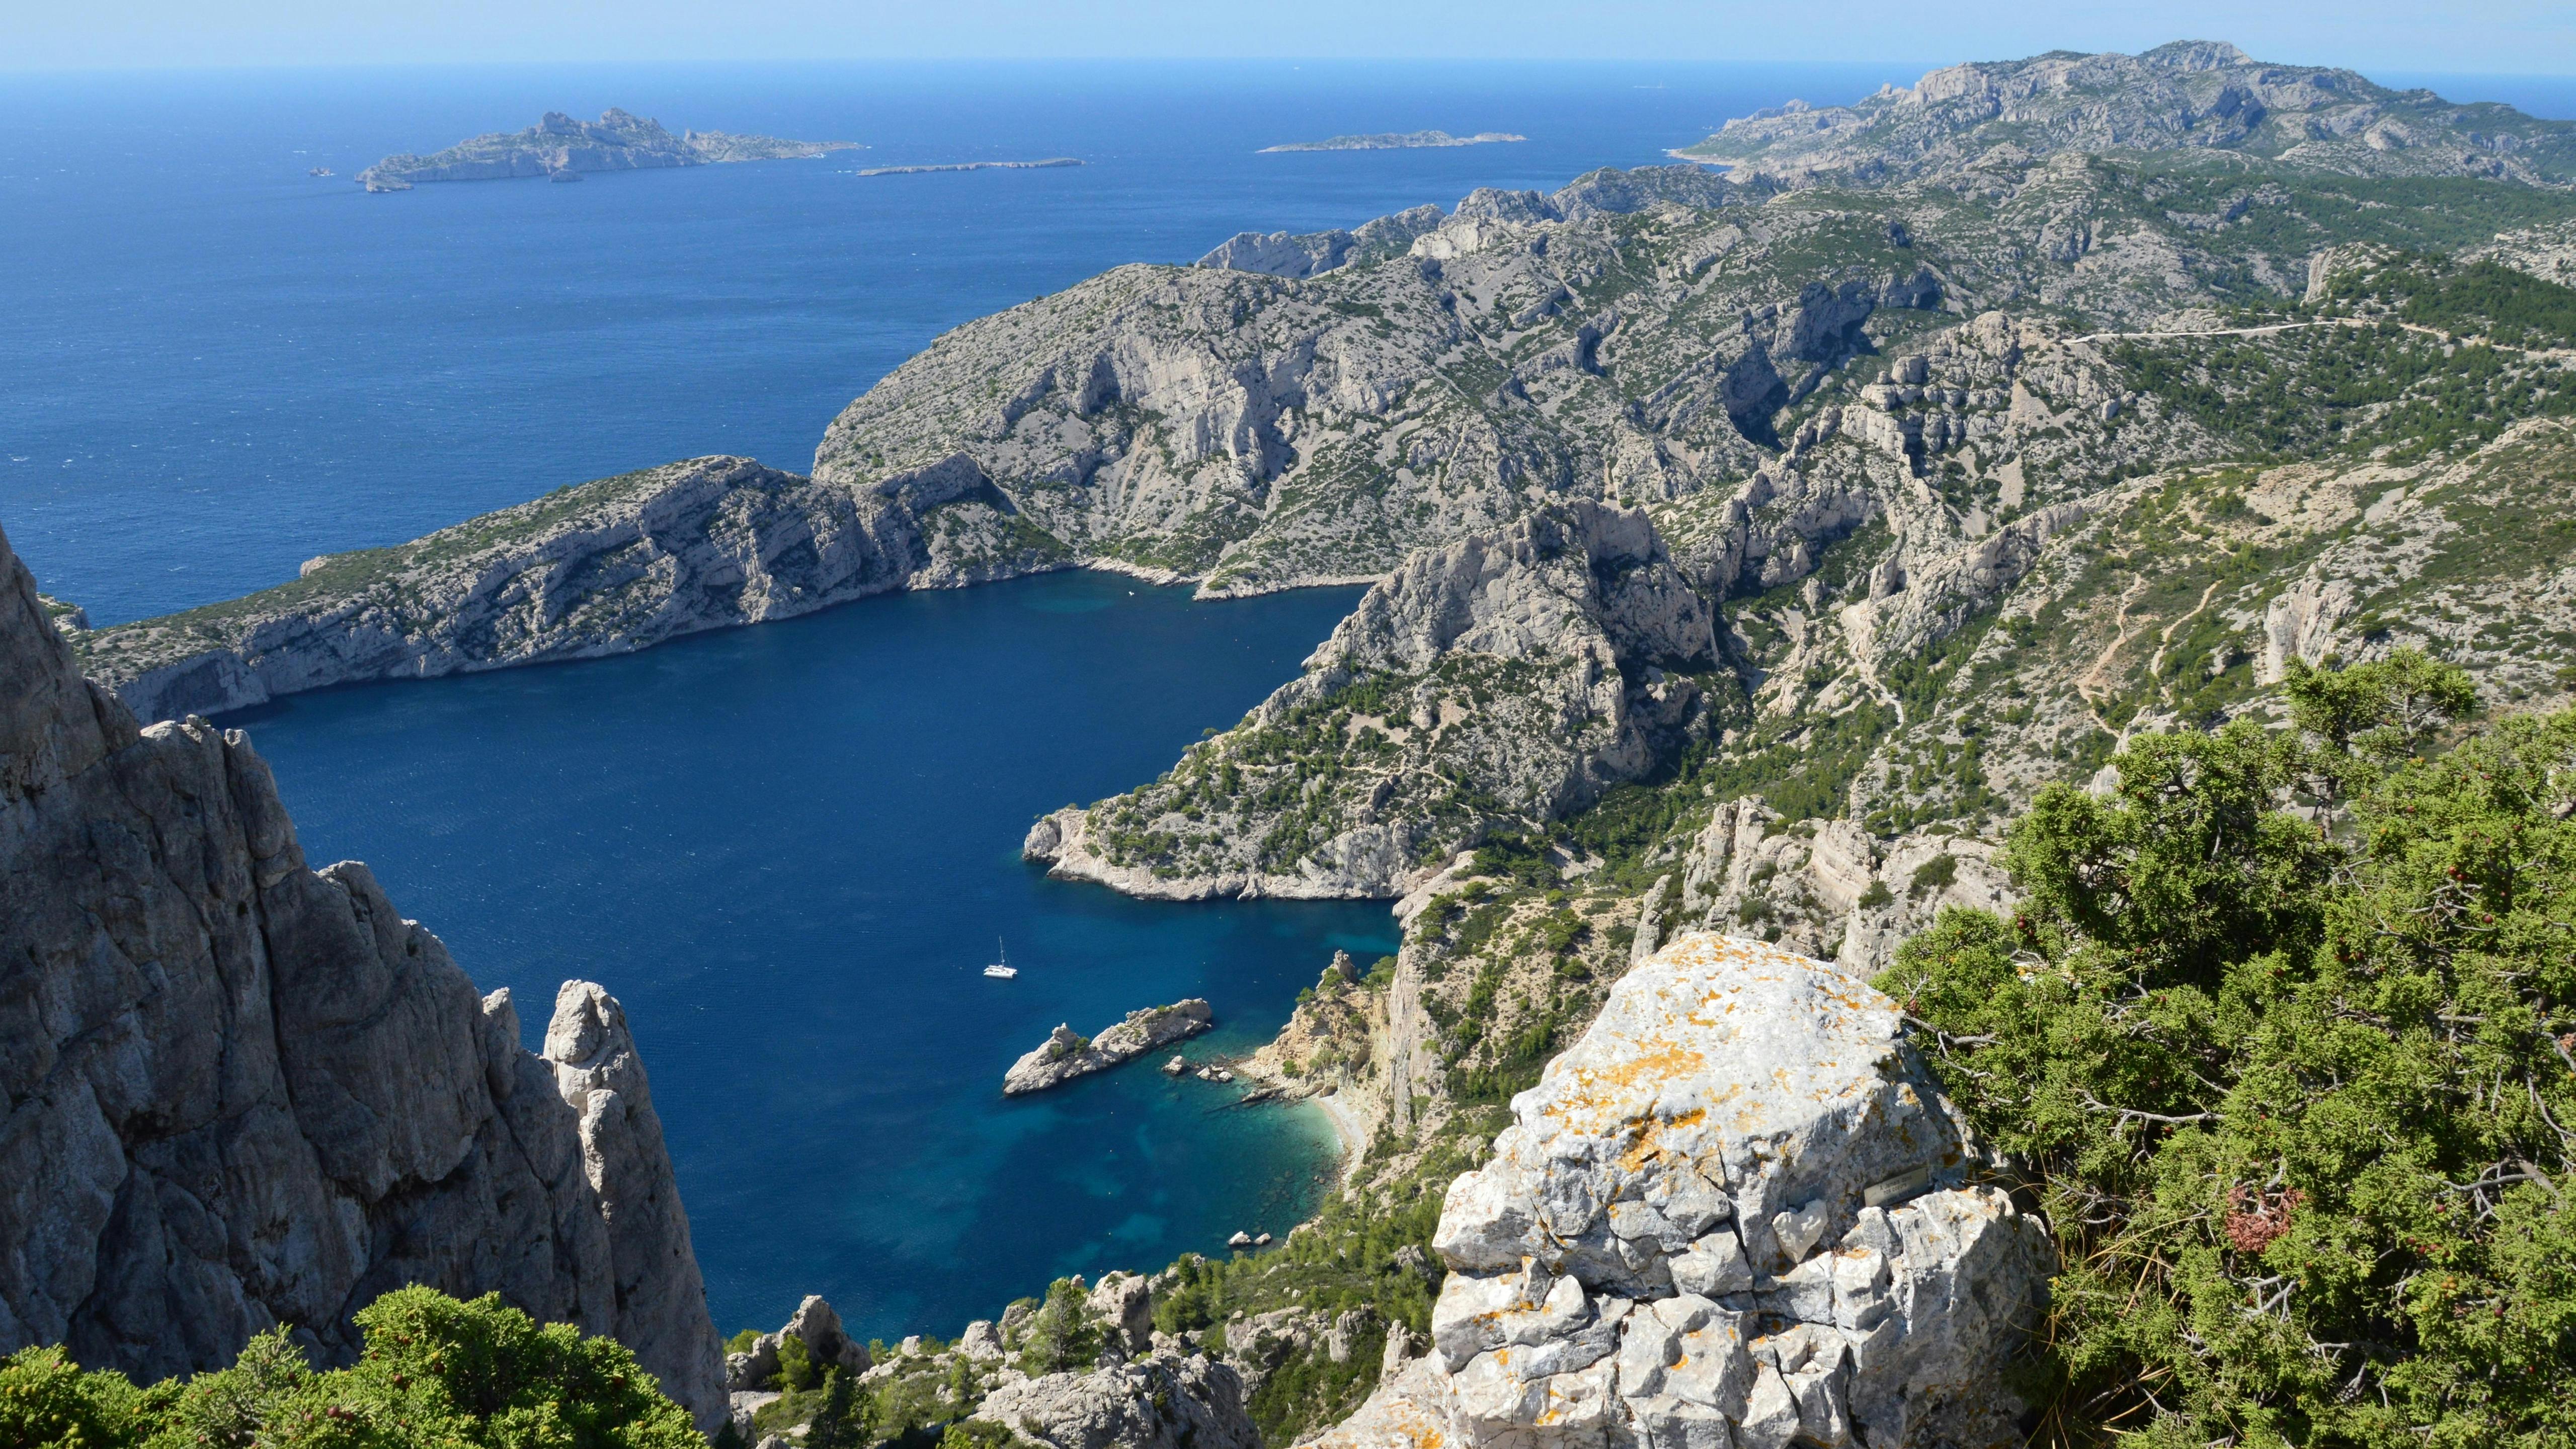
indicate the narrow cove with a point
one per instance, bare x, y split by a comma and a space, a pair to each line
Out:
790, 850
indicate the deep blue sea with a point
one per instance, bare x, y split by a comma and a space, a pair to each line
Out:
787, 849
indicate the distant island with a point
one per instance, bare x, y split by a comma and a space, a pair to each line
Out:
972, 166
559, 145
1395, 141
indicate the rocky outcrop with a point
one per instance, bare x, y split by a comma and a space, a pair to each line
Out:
1167, 1400
602, 568
1066, 1054
750, 1375
1736, 1211
1507, 678
2189, 95
1307, 254
243, 1093
558, 145
1823, 888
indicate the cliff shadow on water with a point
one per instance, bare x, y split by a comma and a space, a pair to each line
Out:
791, 850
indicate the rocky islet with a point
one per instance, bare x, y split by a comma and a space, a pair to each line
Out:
560, 147
1067, 1054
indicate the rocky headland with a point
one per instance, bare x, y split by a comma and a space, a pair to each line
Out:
559, 145
1066, 1054
243, 1093
1395, 141
1534, 669
600, 568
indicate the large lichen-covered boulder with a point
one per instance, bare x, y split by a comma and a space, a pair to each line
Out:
1736, 1213
1164, 1401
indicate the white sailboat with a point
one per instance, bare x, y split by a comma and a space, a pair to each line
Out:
1002, 968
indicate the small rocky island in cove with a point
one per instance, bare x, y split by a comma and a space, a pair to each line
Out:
558, 145
1395, 141
1065, 1054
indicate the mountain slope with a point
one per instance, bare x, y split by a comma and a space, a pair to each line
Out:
2194, 96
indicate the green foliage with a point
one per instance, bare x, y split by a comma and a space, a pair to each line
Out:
2483, 297
436, 1373
2322, 389
743, 1342
45, 1398
1876, 896
1060, 1335
1369, 1248
837, 1424
980, 1434
1932, 875
797, 1368
2284, 1033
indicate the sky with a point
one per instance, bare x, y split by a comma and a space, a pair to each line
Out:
2512, 37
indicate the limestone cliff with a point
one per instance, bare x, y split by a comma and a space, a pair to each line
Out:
1507, 677
600, 568
1737, 1210
240, 1092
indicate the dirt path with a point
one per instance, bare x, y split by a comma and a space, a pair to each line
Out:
2093, 684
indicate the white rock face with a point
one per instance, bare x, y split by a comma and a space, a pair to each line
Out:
1165, 1401
1582, 632
242, 1093
1736, 1213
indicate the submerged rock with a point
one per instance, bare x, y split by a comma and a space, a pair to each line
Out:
1066, 1054
1736, 1211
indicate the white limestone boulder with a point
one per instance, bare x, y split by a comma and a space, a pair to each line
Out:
1735, 1214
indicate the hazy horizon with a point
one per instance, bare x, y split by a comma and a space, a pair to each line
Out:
2498, 37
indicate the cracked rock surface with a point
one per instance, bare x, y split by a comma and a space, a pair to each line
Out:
1737, 1212
236, 1092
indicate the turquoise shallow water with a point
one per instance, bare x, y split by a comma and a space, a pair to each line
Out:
789, 851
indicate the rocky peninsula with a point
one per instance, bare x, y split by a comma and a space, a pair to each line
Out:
559, 145
599, 568
1395, 141
1066, 1054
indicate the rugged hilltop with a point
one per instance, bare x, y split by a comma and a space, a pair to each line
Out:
243, 1093
2205, 99
559, 145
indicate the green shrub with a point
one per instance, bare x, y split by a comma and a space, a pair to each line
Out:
1934, 874
797, 1369
437, 1374
2284, 1034
1060, 1335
